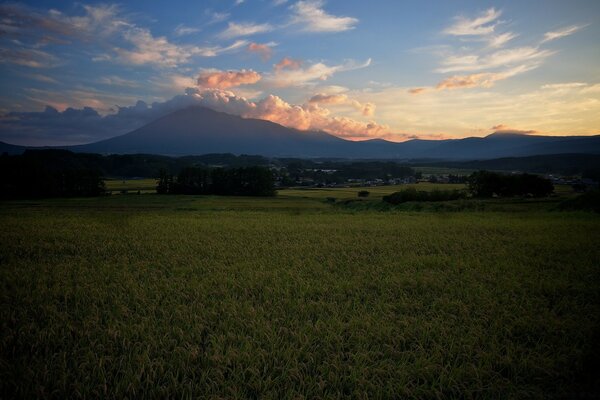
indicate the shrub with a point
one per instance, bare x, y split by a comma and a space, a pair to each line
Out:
363, 193
589, 201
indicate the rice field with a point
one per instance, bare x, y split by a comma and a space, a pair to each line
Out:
292, 297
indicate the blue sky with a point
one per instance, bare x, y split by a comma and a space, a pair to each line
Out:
391, 69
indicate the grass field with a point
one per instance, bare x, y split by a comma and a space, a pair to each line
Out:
292, 297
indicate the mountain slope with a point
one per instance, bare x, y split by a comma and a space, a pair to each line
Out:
199, 130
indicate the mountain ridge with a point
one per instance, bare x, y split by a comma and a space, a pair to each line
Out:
199, 130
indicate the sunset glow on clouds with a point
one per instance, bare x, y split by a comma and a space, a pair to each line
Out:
350, 69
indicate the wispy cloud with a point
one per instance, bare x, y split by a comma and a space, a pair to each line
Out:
485, 79
182, 30
28, 58
118, 81
501, 39
481, 25
216, 17
553, 35
310, 16
148, 49
292, 74
105, 25
500, 58
244, 29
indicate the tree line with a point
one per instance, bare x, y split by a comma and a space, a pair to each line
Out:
242, 181
37, 174
481, 184
492, 184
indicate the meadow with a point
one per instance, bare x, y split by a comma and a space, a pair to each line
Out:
295, 297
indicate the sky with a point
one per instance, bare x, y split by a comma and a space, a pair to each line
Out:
78, 72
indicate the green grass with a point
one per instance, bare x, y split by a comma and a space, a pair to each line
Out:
291, 297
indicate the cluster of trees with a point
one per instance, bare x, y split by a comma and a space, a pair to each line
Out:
339, 171
490, 184
37, 174
412, 194
243, 181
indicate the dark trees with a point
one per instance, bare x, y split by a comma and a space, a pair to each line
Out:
489, 184
48, 173
243, 181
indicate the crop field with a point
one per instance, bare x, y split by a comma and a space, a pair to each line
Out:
294, 297
130, 185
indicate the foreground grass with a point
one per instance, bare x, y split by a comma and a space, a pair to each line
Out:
288, 297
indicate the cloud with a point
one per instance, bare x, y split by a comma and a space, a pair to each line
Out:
322, 98
310, 16
216, 17
485, 79
560, 86
367, 109
553, 35
287, 63
501, 128
418, 90
41, 78
500, 40
117, 81
500, 58
481, 25
28, 58
118, 37
182, 30
244, 29
227, 79
85, 125
148, 49
288, 73
264, 50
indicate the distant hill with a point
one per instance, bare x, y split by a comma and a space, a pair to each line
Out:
199, 130
565, 164
11, 148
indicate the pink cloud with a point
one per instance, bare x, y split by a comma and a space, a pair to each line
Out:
288, 63
227, 79
275, 109
322, 98
418, 90
263, 50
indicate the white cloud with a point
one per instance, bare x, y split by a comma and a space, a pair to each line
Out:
501, 39
299, 76
310, 16
481, 25
568, 85
182, 30
500, 58
553, 35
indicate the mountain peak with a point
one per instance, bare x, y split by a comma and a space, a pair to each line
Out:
508, 134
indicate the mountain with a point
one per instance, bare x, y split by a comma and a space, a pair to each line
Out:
11, 148
198, 130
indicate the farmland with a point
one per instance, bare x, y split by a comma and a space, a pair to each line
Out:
296, 297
